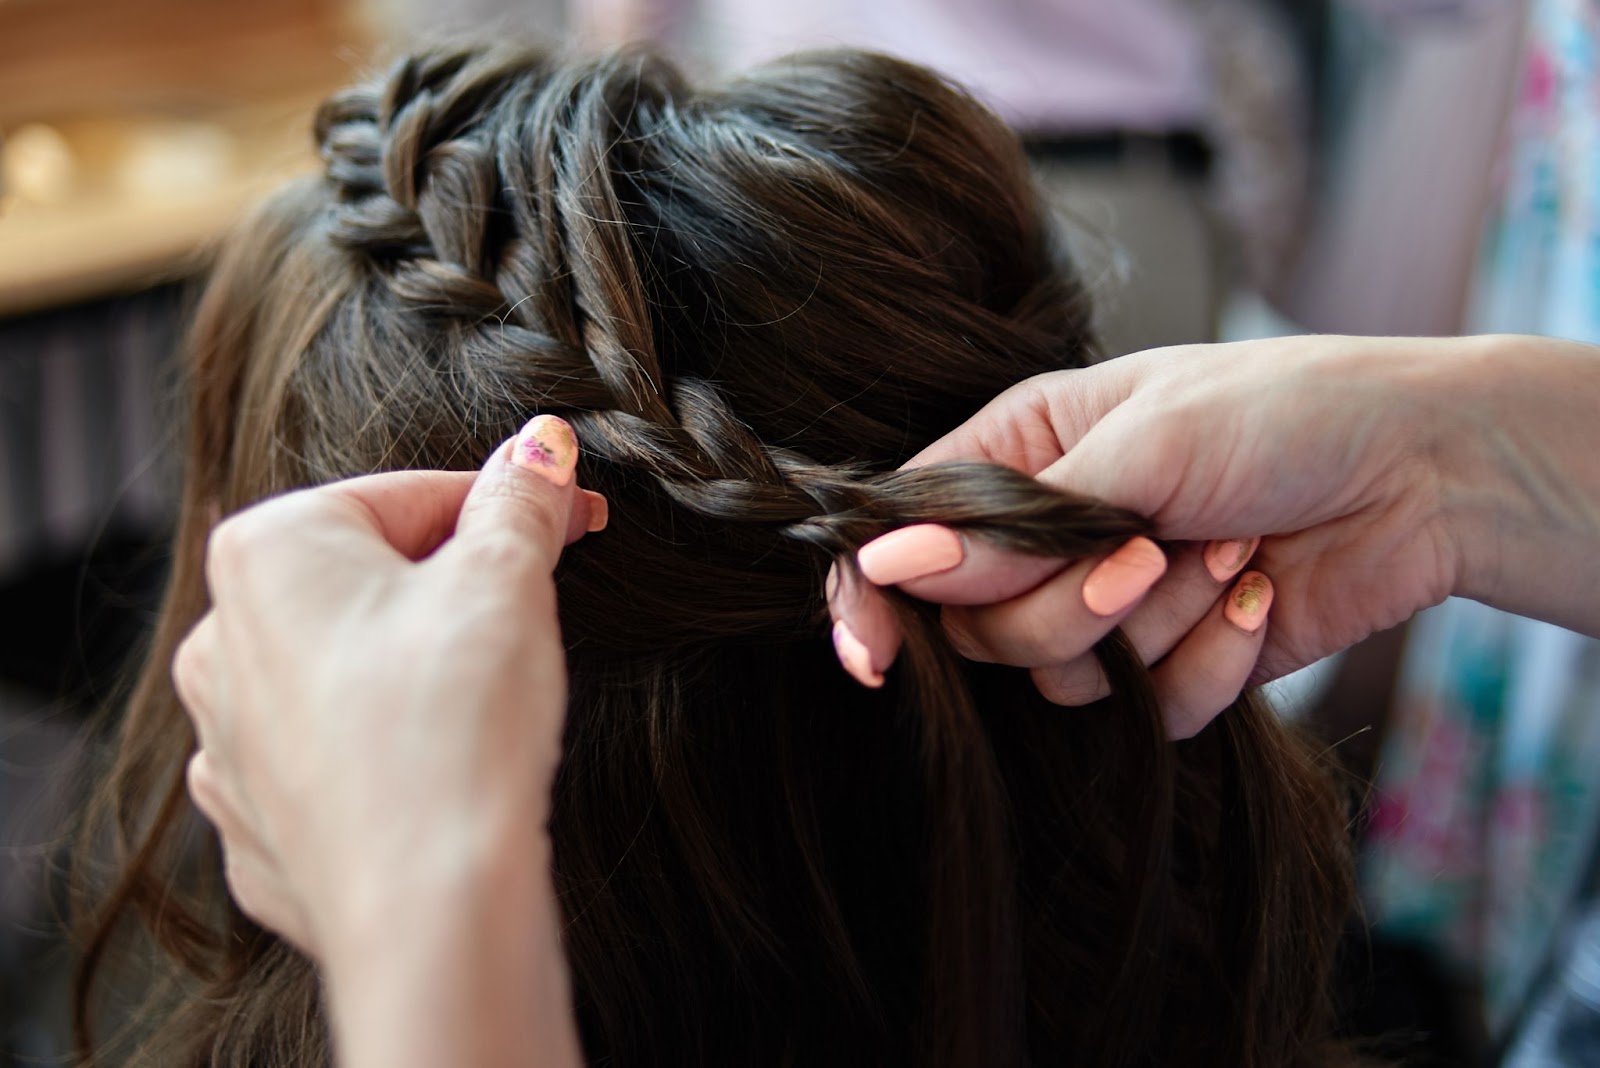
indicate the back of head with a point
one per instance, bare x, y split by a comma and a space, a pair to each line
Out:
753, 302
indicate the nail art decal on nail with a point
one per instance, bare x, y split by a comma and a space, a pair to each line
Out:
1248, 603
548, 447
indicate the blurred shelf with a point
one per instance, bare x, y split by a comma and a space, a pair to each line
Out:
70, 58
150, 215
152, 126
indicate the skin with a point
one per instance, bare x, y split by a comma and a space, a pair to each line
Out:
1382, 475
404, 783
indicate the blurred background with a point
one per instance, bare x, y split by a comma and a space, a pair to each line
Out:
1220, 169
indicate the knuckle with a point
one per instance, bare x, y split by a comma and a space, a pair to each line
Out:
959, 633
185, 669
1193, 700
231, 541
1186, 718
1035, 634
504, 550
236, 544
203, 787
1073, 684
247, 889
189, 667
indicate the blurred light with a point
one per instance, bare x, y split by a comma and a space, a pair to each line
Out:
37, 165
175, 159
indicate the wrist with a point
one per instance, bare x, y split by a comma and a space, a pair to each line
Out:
1520, 475
456, 966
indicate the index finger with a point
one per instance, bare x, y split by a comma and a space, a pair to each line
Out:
380, 519
413, 512
1034, 423
947, 566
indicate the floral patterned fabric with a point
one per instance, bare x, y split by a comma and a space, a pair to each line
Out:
1487, 801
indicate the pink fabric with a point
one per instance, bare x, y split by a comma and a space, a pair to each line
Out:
1047, 66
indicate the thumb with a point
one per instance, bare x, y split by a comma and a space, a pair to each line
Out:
1120, 460
527, 496
1034, 423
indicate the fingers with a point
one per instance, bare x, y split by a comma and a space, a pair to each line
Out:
1056, 620
210, 797
407, 515
1063, 618
1035, 422
254, 880
525, 505
383, 518
866, 636
1175, 605
411, 511
1204, 645
938, 564
1208, 670
194, 678
1204, 672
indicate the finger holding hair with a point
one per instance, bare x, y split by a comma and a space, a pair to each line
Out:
1001, 606
525, 505
866, 636
1208, 670
1195, 581
1063, 618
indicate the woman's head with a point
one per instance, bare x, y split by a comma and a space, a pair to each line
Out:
753, 303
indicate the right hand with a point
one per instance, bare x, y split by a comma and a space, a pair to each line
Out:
1358, 461
379, 688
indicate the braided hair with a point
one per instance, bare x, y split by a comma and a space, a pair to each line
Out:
753, 302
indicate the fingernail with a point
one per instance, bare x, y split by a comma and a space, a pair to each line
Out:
599, 511
547, 447
1123, 577
1225, 558
1248, 603
910, 553
855, 656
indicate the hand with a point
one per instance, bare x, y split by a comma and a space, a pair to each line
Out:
1359, 463
379, 689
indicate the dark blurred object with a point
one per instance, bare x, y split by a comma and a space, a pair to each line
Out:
84, 442
1399, 1007
86, 614
86, 485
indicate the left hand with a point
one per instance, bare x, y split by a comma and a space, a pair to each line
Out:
379, 689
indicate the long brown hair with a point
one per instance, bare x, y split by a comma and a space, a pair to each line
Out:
753, 302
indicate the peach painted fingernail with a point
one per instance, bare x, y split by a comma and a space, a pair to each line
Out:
1225, 558
1123, 577
855, 656
910, 553
1248, 603
547, 447
599, 511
